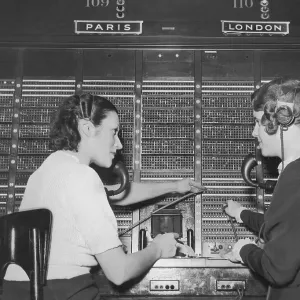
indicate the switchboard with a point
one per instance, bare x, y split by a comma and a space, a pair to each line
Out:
177, 122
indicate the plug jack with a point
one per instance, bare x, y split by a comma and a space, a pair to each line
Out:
231, 285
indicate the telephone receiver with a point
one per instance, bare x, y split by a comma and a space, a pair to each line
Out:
248, 164
121, 171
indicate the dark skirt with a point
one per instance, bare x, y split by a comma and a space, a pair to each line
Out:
76, 288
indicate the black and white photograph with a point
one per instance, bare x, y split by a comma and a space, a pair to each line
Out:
149, 150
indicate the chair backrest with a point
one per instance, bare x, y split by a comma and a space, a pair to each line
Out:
25, 240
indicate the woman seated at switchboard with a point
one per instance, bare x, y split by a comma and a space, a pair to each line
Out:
277, 127
85, 130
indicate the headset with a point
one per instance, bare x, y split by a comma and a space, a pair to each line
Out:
285, 116
119, 168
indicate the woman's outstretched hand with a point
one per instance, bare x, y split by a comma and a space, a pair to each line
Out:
189, 185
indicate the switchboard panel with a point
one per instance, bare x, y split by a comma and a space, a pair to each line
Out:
7, 89
192, 119
227, 123
40, 98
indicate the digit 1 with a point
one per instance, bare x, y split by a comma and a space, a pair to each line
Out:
235, 3
95, 3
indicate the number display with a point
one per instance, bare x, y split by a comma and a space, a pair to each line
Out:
97, 3
242, 3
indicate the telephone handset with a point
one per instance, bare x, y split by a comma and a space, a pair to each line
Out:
248, 164
121, 172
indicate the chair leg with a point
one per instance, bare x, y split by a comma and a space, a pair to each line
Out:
45, 255
1, 287
35, 280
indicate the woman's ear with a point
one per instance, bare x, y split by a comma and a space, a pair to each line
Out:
86, 128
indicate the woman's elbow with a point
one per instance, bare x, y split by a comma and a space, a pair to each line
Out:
117, 278
116, 274
117, 281
113, 264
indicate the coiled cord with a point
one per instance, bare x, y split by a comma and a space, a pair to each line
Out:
240, 292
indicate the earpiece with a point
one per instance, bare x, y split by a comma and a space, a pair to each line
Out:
121, 171
248, 164
285, 116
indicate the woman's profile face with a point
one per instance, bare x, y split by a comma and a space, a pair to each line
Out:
105, 141
269, 144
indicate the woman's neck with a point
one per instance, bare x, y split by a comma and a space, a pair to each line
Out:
82, 157
291, 144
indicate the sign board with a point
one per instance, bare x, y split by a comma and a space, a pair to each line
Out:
148, 22
108, 27
255, 27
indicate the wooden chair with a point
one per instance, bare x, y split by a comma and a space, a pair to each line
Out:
25, 240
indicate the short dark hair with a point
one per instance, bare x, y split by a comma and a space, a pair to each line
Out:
265, 99
64, 133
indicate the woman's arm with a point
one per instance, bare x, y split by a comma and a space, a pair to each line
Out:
141, 191
119, 267
279, 260
253, 220
97, 227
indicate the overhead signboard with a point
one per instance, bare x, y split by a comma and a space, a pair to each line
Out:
108, 27
80, 21
255, 28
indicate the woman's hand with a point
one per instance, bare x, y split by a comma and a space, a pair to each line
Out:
234, 254
234, 209
167, 244
188, 185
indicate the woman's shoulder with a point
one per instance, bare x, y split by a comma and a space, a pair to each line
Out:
66, 168
289, 180
294, 168
82, 173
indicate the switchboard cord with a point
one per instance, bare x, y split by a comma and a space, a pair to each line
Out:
154, 212
282, 128
233, 229
231, 223
240, 292
260, 239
